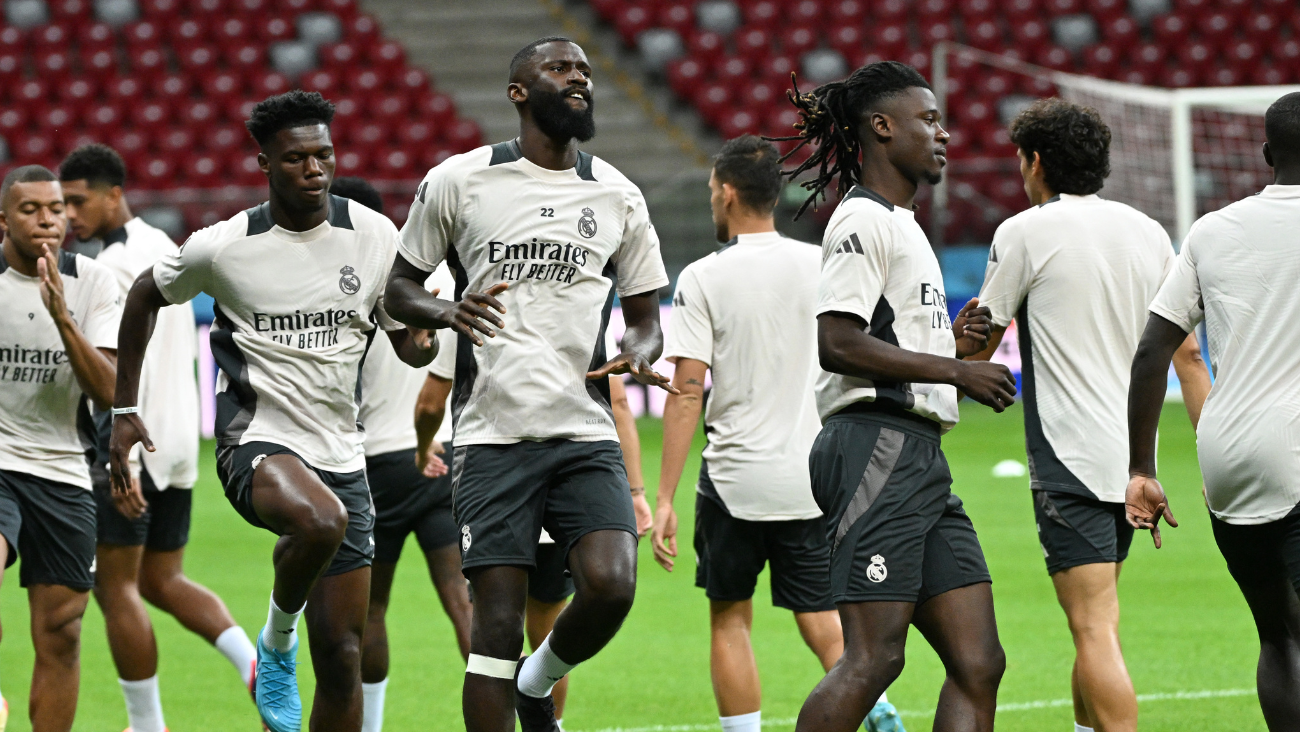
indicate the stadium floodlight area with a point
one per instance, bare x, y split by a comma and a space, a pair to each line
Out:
1175, 153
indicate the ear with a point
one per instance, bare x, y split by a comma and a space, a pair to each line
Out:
517, 93
115, 193
264, 163
1268, 155
1036, 165
881, 125
730, 197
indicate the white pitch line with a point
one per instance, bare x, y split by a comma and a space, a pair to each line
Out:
1013, 707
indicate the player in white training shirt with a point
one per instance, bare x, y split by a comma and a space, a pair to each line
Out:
745, 313
298, 284
141, 544
903, 551
536, 233
1077, 272
1237, 271
58, 337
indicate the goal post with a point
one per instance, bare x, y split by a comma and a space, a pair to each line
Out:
1175, 153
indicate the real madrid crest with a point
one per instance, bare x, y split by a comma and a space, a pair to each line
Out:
587, 224
349, 283
877, 572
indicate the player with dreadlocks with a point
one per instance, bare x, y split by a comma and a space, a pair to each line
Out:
902, 549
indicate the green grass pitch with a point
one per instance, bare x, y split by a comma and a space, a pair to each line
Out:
1188, 637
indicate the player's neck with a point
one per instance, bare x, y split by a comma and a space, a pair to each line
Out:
738, 225
15, 259
545, 152
290, 220
881, 176
117, 219
1286, 175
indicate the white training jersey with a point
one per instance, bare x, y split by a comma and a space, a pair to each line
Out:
169, 389
1077, 273
295, 313
40, 399
390, 388
444, 367
877, 265
748, 311
1237, 271
559, 238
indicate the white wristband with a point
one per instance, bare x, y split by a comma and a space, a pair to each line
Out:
125, 410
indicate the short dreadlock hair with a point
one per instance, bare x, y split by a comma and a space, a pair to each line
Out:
1282, 127
1071, 140
286, 111
752, 166
97, 164
829, 117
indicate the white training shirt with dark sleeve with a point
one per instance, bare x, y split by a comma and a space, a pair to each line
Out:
295, 314
390, 388
40, 399
560, 239
878, 265
169, 388
748, 311
1077, 273
1237, 271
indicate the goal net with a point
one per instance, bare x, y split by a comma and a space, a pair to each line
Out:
1175, 153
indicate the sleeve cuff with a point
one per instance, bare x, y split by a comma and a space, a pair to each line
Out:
417, 261
1178, 319
676, 353
638, 288
840, 307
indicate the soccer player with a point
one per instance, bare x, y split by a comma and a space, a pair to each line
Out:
536, 233
744, 312
298, 282
407, 499
59, 314
1237, 271
141, 555
903, 550
1077, 272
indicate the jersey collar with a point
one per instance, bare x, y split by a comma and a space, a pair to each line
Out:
116, 236
1274, 190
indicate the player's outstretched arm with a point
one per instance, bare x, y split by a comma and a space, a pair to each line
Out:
643, 342
1145, 502
430, 410
629, 441
845, 347
1193, 377
138, 317
681, 416
406, 300
92, 367
414, 346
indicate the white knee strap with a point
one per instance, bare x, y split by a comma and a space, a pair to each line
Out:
496, 668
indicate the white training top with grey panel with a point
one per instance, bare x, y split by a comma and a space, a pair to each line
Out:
390, 388
747, 311
295, 314
169, 389
559, 239
878, 265
1077, 273
41, 403
1238, 271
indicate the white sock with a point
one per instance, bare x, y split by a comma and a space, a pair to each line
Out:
282, 627
238, 649
143, 704
883, 699
752, 722
1080, 728
372, 715
542, 670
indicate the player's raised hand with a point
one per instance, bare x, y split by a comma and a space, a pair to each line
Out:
128, 430
468, 314
637, 365
430, 462
971, 328
988, 383
1145, 504
663, 538
51, 284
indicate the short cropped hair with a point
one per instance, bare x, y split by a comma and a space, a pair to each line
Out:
752, 166
97, 164
285, 111
526, 53
26, 174
1071, 140
1282, 126
359, 190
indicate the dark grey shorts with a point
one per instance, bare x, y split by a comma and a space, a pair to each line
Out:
1074, 530
164, 527
549, 581
52, 525
897, 532
1261, 554
406, 502
505, 494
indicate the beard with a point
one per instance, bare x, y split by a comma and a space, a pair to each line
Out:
559, 121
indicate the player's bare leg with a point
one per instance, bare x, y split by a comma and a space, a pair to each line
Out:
823, 634
1090, 597
453, 592
539, 621
336, 620
164, 585
488, 701
731, 658
603, 564
374, 648
960, 626
1276, 610
130, 632
875, 637
56, 613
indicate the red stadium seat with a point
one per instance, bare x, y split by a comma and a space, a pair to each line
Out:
231, 31
53, 65
197, 58
77, 91
974, 113
99, 64
159, 9
798, 39
220, 86
1020, 10
361, 28
250, 8
738, 122
684, 75
753, 42
1031, 34
776, 69
388, 56
432, 157
890, 11
269, 83
224, 137
155, 172
936, 31
199, 112
11, 68
33, 92
712, 100
394, 163
367, 134
761, 95
1216, 27
1196, 56
812, 12
12, 119
1237, 9
995, 84
1171, 30
781, 121
274, 29
919, 59
1193, 8
173, 87
1260, 26
339, 56
890, 38
12, 39
129, 143
1287, 53
933, 9
344, 9
244, 57
321, 80
51, 37
1267, 74
412, 81
391, 106
71, 138
985, 34
731, 69
350, 162
72, 12
1056, 8
175, 140
94, 36
847, 39
143, 33
1243, 52
201, 171
243, 168
679, 16
1223, 76
347, 108
1149, 57
147, 60
207, 7
238, 110
125, 89
364, 81
1178, 77
186, 30
851, 12
763, 13
416, 134
464, 135
1055, 57
706, 45
606, 9
34, 147
54, 117
633, 20
105, 115
150, 115
1122, 31
1104, 11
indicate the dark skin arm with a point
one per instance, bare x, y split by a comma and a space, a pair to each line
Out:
643, 342
1145, 502
138, 317
407, 301
413, 346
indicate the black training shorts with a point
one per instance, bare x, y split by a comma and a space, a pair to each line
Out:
235, 466
897, 532
1074, 530
164, 527
52, 525
506, 494
1261, 554
730, 554
549, 581
407, 502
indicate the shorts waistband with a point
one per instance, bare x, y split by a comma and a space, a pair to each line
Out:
892, 416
